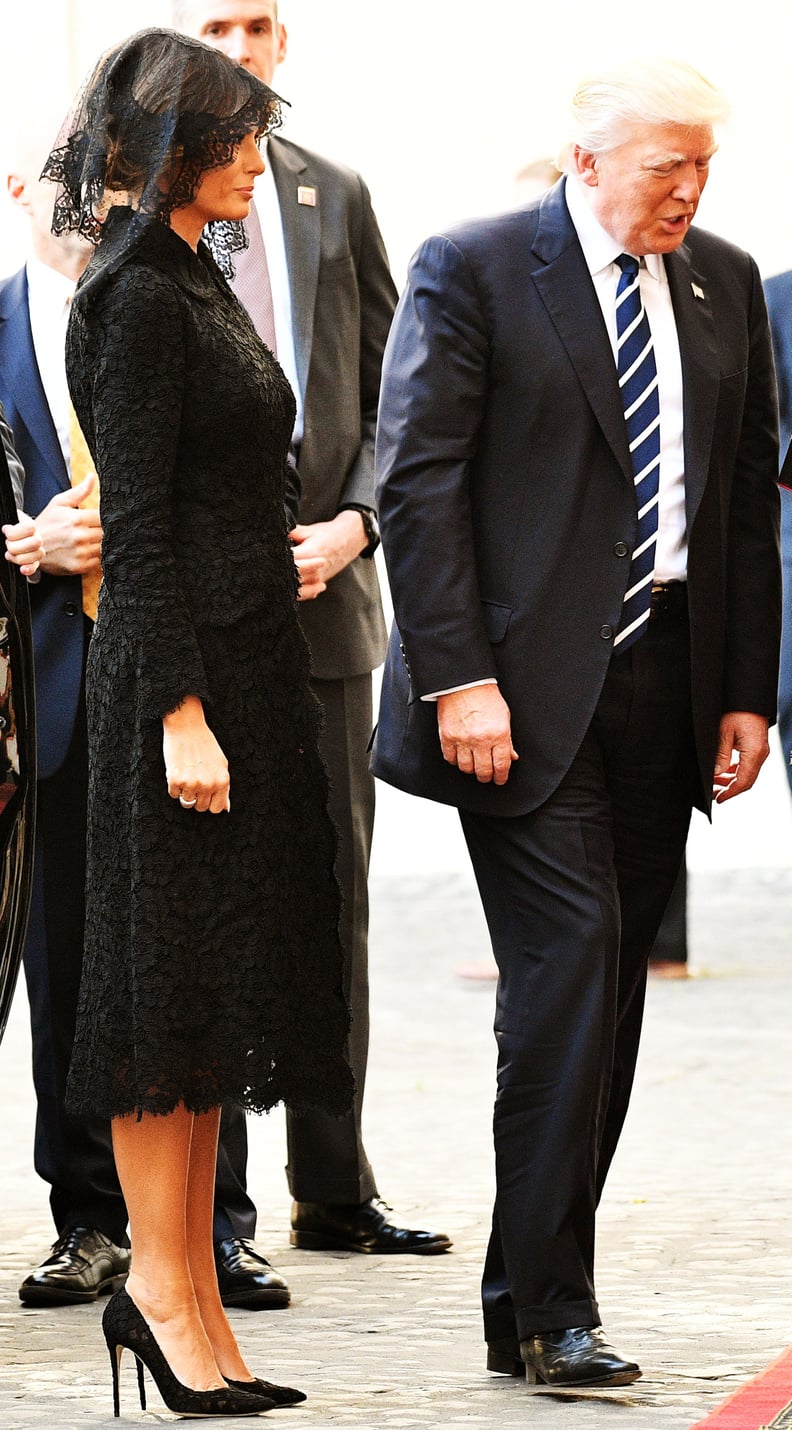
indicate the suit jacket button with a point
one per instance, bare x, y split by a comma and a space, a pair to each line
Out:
70, 608
606, 632
621, 548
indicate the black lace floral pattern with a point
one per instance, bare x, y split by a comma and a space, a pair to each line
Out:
212, 963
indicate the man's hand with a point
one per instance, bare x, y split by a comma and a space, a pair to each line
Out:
475, 733
324, 548
745, 734
72, 538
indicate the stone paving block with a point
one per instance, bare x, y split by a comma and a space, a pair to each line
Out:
695, 1243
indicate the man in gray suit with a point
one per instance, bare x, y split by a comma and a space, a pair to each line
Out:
315, 280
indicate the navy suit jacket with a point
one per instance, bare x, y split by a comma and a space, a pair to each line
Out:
56, 602
778, 293
505, 493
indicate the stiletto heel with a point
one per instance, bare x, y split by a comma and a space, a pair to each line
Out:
141, 1383
126, 1329
115, 1362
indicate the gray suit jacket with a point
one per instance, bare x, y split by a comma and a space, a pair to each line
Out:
342, 303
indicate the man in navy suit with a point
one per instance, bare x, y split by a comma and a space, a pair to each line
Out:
778, 292
582, 546
73, 1155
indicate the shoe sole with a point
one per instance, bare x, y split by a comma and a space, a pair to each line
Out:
624, 1377
49, 1296
257, 1300
315, 1241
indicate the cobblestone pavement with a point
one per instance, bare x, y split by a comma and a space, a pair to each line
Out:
695, 1243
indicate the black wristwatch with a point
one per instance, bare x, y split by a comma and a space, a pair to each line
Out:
370, 526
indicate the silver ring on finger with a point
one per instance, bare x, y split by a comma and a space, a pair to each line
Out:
187, 803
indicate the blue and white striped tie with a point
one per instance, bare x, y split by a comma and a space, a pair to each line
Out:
638, 385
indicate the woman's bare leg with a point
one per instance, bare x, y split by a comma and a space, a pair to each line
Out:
153, 1160
200, 1246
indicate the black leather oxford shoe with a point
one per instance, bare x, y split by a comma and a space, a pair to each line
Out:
367, 1227
83, 1264
503, 1357
580, 1356
245, 1279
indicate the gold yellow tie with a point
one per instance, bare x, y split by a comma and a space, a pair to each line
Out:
80, 464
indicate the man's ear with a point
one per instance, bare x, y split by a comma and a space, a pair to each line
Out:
585, 165
17, 190
283, 40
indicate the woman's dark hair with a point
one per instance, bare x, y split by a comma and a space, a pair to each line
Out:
158, 111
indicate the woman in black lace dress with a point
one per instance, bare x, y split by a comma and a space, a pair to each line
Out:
212, 964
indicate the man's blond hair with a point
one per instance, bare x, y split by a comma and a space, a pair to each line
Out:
658, 91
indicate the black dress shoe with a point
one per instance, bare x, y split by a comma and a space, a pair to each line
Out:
503, 1357
82, 1265
580, 1356
366, 1227
245, 1279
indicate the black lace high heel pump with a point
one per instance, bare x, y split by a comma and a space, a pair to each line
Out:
280, 1394
126, 1329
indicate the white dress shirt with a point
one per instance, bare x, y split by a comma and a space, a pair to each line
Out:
49, 297
600, 252
269, 216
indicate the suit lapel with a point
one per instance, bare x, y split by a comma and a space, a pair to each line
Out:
568, 294
21, 375
700, 371
302, 231
565, 286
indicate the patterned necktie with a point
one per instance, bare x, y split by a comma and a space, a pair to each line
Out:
638, 384
251, 282
80, 464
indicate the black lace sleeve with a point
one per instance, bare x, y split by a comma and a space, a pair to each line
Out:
126, 364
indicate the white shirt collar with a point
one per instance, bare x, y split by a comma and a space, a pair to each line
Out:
46, 287
599, 247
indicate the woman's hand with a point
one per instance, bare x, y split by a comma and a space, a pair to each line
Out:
195, 767
24, 546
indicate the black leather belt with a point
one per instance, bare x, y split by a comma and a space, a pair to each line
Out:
669, 598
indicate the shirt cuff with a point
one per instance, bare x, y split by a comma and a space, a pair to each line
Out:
471, 685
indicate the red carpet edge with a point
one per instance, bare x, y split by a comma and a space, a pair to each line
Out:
764, 1403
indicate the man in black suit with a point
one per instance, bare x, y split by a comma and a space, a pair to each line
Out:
315, 249
74, 1155
577, 460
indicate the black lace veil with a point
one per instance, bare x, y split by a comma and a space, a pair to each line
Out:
156, 113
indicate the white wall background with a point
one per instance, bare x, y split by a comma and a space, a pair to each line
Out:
439, 104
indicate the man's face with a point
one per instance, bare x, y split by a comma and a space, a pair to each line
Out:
246, 30
645, 193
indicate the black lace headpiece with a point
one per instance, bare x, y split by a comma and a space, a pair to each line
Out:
157, 112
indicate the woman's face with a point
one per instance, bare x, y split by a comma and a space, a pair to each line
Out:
227, 192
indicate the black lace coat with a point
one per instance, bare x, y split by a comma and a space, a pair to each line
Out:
212, 963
